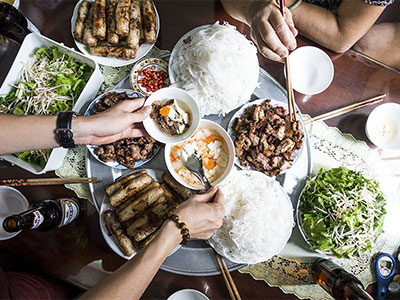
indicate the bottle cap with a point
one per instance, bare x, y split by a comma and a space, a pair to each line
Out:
394, 287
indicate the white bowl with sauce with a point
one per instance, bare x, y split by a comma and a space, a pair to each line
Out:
186, 102
230, 157
383, 126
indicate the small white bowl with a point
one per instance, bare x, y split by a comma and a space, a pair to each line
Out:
188, 294
182, 97
231, 155
383, 126
11, 202
312, 70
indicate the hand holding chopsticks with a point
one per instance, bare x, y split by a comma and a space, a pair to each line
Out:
230, 284
47, 181
346, 109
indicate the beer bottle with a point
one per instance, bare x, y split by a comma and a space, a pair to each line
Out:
45, 215
13, 24
339, 283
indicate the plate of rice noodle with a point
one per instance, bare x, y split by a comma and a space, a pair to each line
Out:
217, 65
257, 222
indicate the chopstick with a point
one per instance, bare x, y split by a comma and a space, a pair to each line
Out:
346, 109
47, 181
230, 284
289, 88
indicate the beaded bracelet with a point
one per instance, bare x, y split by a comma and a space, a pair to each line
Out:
182, 226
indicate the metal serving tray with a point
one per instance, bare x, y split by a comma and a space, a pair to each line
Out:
197, 258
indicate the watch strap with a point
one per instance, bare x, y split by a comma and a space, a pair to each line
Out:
64, 132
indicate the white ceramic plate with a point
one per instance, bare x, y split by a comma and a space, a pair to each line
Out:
312, 70
185, 39
11, 202
231, 155
91, 110
109, 61
105, 205
188, 294
181, 96
296, 154
225, 251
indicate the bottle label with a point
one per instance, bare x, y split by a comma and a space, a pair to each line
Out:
330, 265
37, 219
70, 211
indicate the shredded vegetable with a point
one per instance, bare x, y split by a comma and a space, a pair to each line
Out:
342, 212
49, 84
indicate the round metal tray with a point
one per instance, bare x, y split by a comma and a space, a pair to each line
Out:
197, 258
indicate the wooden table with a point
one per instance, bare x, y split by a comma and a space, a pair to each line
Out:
77, 253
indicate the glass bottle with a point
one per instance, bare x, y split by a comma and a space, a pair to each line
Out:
339, 283
45, 215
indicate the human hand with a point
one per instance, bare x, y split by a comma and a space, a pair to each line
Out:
203, 213
273, 33
124, 120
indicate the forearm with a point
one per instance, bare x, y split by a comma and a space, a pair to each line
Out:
131, 280
20, 133
337, 32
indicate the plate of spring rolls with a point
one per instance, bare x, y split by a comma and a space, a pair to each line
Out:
135, 207
115, 32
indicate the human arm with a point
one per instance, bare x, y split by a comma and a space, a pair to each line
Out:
201, 216
337, 32
273, 33
38, 132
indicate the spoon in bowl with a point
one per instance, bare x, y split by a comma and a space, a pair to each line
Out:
193, 162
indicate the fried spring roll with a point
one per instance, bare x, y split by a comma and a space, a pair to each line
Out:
123, 205
135, 185
148, 240
151, 220
122, 16
122, 239
143, 202
115, 186
149, 22
147, 230
88, 37
112, 36
135, 25
99, 21
151, 215
83, 13
113, 51
183, 192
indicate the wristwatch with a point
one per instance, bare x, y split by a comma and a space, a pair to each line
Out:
64, 132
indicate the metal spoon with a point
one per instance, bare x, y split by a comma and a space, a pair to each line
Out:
194, 164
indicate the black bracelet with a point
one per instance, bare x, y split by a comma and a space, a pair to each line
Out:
64, 133
182, 226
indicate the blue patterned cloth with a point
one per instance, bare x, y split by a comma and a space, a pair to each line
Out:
334, 4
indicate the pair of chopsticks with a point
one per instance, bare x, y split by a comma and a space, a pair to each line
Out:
346, 109
230, 284
47, 181
289, 88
